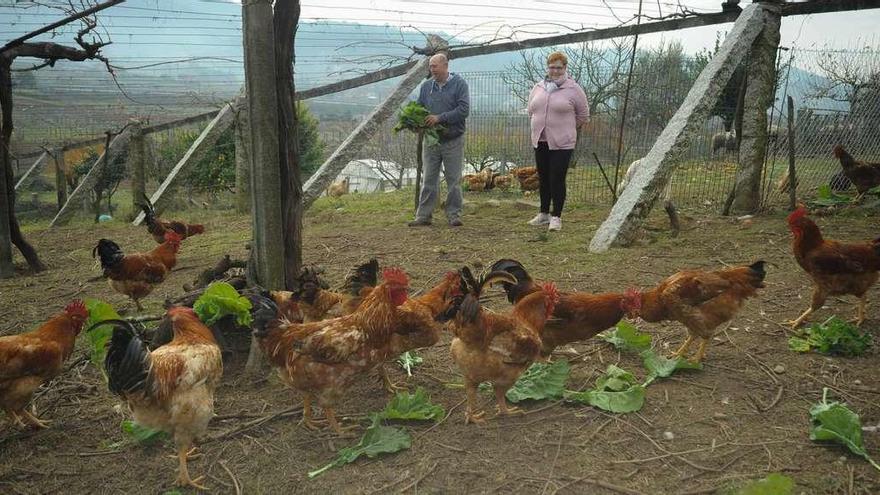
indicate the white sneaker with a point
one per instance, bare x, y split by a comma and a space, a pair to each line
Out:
555, 223
540, 219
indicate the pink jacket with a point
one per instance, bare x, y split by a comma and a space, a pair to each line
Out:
558, 114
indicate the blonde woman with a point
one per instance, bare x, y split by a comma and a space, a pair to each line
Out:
557, 106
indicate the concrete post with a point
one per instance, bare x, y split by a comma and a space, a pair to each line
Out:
761, 74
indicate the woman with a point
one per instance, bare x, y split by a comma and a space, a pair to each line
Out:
557, 106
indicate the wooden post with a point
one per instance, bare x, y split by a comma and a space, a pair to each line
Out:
792, 176
761, 73
137, 162
262, 108
60, 178
242, 159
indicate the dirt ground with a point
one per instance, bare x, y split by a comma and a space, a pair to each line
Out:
735, 420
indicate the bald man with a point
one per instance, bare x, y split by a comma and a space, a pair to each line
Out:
446, 96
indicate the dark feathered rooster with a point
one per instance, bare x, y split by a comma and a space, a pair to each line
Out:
158, 227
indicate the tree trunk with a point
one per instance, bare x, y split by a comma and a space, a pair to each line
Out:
285, 20
758, 98
10, 231
60, 178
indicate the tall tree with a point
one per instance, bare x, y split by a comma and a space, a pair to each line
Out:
50, 53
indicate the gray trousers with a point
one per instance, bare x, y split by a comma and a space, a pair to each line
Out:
450, 153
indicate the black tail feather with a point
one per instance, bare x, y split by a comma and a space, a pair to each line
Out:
109, 252
149, 211
515, 268
128, 359
758, 267
361, 276
264, 311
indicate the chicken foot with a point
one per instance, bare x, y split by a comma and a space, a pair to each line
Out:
308, 418
684, 347
472, 415
503, 408
32, 420
183, 478
14, 419
342, 431
390, 387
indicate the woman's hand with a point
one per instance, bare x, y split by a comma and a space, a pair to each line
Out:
432, 120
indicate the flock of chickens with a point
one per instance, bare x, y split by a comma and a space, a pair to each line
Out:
319, 341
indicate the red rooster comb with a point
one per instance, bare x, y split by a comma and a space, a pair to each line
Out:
77, 308
172, 236
797, 214
395, 276
552, 296
632, 300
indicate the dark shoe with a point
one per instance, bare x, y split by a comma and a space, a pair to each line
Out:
455, 223
419, 222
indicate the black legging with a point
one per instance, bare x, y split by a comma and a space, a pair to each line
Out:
552, 169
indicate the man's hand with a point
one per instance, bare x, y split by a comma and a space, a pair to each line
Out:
432, 120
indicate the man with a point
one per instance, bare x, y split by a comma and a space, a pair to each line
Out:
446, 96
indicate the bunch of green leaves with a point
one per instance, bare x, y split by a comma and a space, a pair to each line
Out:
99, 311
221, 299
625, 336
833, 336
408, 360
412, 118
378, 439
835, 422
661, 367
541, 381
773, 484
135, 434
616, 391
826, 197
416, 406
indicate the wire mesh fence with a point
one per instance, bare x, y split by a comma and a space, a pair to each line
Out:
837, 101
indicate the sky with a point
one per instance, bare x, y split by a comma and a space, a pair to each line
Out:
147, 32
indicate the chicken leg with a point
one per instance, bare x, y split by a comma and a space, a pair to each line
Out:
501, 399
334, 423
860, 310
14, 419
684, 347
183, 478
701, 351
390, 387
817, 301
308, 418
33, 420
472, 415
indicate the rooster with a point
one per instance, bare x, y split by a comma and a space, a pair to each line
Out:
700, 300
137, 274
577, 316
864, 175
318, 304
29, 360
321, 359
172, 387
497, 347
158, 227
420, 321
836, 268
